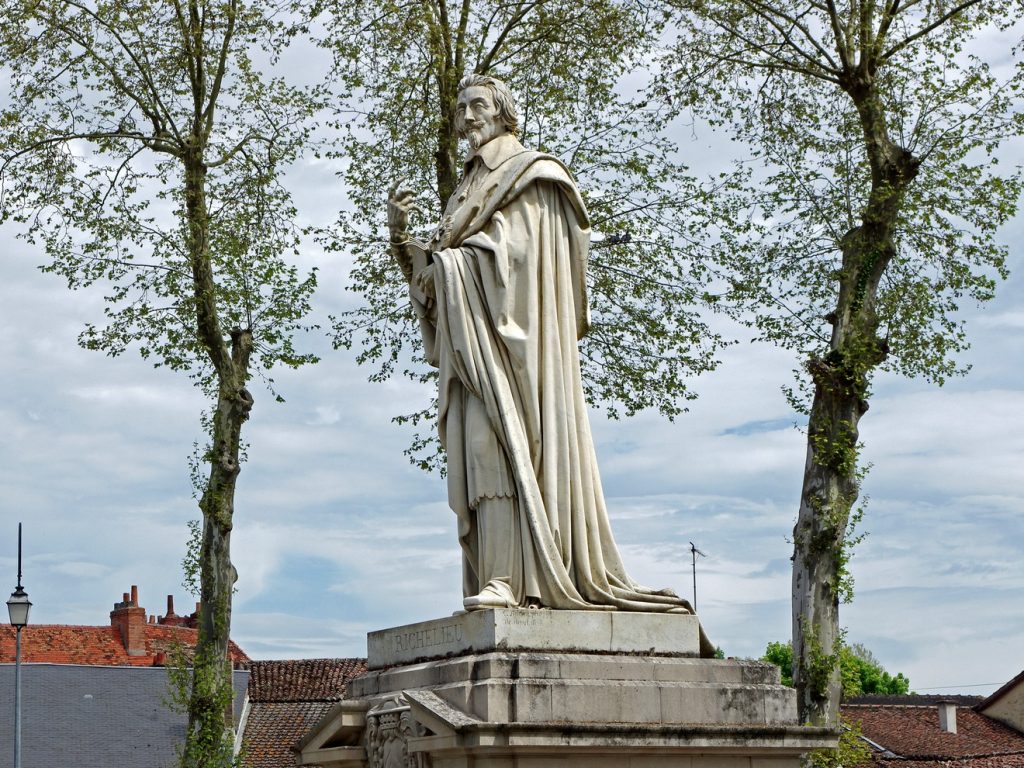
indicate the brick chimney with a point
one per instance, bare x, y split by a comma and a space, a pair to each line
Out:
947, 716
173, 619
130, 620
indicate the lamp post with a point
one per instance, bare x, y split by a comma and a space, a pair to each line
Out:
18, 607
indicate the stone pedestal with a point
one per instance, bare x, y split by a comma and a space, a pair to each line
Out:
506, 629
533, 689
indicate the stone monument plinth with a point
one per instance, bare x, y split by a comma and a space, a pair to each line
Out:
502, 629
539, 689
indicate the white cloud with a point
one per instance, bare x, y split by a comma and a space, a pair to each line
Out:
81, 570
324, 416
1004, 320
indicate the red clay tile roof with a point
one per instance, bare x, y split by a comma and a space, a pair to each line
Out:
273, 727
996, 761
914, 733
286, 699
302, 679
97, 646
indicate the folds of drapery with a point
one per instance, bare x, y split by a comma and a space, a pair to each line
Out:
511, 305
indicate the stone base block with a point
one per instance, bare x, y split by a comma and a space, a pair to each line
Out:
512, 629
504, 687
530, 709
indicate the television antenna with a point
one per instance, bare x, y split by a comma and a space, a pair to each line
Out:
694, 552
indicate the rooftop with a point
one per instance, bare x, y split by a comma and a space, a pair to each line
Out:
915, 699
302, 679
100, 646
912, 737
97, 716
130, 640
288, 698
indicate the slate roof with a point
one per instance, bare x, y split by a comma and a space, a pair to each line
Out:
98, 646
912, 737
286, 699
70, 713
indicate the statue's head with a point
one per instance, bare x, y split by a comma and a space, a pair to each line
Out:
485, 110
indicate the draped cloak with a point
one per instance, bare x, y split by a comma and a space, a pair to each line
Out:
510, 260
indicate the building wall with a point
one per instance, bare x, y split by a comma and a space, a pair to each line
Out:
1009, 708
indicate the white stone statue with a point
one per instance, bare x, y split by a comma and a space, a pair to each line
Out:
501, 293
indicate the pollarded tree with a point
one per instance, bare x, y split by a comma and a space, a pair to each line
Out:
874, 219
142, 148
572, 66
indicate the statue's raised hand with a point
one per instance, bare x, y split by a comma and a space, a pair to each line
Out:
401, 202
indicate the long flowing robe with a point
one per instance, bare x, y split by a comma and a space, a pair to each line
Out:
510, 260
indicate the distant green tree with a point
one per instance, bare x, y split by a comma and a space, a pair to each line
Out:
860, 671
781, 655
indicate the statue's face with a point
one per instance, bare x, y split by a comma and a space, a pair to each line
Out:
477, 116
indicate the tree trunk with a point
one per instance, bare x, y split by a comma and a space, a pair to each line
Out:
210, 703
829, 491
210, 707
841, 378
446, 154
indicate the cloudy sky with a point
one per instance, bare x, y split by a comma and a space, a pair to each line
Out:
336, 534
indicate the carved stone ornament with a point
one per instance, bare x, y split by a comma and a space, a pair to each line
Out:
389, 726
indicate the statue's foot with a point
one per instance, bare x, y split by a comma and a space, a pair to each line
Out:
497, 594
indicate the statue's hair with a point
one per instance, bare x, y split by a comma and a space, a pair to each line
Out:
503, 100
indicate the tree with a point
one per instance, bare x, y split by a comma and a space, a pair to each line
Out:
781, 655
860, 671
873, 218
851, 750
862, 674
143, 149
398, 66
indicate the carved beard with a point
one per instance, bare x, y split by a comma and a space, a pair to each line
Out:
479, 135
474, 136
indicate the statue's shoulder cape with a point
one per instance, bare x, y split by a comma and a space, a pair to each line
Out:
503, 185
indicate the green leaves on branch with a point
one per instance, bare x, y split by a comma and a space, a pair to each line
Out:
572, 66
871, 215
860, 670
102, 123
852, 749
773, 76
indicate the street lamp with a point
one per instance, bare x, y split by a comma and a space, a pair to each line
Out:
18, 607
